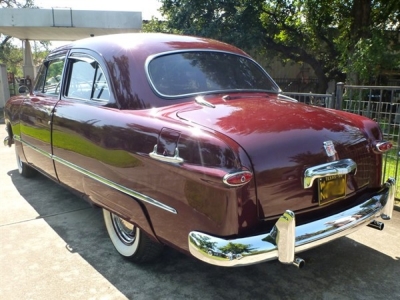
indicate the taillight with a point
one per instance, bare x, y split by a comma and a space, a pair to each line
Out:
382, 146
238, 178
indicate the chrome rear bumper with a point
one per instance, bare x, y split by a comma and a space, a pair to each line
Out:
285, 239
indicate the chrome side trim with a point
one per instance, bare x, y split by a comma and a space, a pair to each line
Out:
101, 179
44, 153
339, 167
116, 186
286, 239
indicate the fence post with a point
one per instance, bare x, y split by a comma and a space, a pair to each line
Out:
339, 95
333, 101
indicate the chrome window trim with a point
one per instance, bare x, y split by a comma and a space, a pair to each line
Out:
100, 179
78, 55
46, 63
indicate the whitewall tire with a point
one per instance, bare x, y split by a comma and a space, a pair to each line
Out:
129, 240
23, 169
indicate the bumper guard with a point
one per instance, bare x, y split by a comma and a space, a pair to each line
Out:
286, 239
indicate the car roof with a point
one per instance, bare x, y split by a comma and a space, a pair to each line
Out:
125, 57
146, 44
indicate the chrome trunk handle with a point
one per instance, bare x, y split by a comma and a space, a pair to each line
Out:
339, 167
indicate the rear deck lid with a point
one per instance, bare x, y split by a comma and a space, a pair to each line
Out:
282, 139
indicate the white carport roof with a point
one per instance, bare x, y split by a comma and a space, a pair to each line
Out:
65, 24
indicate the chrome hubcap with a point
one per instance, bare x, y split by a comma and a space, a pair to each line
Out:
125, 230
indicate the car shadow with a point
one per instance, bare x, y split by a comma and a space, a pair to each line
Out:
342, 269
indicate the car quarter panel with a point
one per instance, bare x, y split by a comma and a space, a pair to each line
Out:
96, 146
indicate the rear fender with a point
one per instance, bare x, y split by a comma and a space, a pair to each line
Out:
123, 205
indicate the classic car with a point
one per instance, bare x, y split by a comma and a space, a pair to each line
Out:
188, 142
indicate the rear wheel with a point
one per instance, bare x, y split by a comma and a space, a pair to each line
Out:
129, 240
24, 169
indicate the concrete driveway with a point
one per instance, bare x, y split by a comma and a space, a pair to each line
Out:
53, 245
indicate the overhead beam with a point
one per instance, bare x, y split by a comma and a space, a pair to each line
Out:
65, 24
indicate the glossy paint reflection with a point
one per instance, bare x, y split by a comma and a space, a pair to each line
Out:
285, 238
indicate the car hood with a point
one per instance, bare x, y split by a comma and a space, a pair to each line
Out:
282, 138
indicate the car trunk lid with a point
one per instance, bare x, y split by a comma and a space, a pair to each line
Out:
282, 139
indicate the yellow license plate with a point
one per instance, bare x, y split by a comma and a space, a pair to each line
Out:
331, 188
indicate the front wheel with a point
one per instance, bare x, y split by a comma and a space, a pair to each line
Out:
23, 169
129, 240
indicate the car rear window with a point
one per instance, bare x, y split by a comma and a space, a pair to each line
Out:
186, 73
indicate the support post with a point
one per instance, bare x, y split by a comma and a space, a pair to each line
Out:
339, 95
29, 69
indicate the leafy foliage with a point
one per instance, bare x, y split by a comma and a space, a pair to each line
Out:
236, 248
16, 3
11, 55
368, 42
333, 37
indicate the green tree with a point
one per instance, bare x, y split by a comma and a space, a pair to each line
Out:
11, 55
204, 242
368, 39
330, 36
16, 3
236, 248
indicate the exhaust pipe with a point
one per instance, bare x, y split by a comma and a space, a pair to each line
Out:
299, 262
377, 225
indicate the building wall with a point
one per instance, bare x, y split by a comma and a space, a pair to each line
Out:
4, 90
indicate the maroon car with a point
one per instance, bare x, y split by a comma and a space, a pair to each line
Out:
188, 142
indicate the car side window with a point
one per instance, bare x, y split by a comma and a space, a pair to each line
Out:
87, 80
100, 88
49, 77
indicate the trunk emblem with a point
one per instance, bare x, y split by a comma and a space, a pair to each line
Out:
329, 148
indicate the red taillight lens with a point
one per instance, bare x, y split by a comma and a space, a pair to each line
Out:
382, 146
238, 179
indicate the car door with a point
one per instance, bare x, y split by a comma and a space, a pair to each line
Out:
77, 121
36, 115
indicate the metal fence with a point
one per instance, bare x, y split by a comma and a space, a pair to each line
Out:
380, 103
297, 85
323, 100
